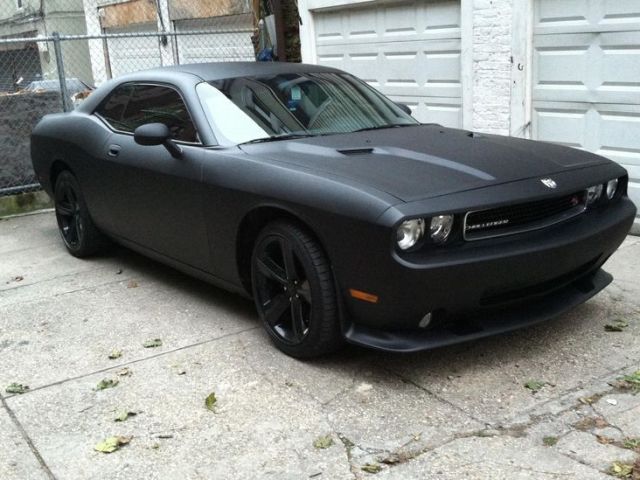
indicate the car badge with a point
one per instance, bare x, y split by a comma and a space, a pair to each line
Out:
549, 182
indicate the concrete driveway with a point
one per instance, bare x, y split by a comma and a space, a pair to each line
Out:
459, 412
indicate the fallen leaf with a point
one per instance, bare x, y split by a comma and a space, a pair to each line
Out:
621, 470
153, 343
604, 440
210, 402
534, 385
617, 326
132, 284
323, 442
632, 443
17, 388
111, 444
155, 446
165, 435
549, 441
107, 383
371, 468
125, 372
19, 278
124, 415
115, 354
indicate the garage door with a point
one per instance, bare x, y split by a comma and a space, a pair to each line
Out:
586, 88
408, 50
219, 46
133, 53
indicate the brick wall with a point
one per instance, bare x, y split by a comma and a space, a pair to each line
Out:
492, 65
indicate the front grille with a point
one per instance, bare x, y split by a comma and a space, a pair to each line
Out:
507, 220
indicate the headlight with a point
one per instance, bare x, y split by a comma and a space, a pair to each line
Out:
593, 194
440, 228
612, 187
409, 233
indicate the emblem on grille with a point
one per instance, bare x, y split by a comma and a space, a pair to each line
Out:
549, 182
495, 223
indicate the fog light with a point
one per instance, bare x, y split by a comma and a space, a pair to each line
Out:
593, 194
426, 321
440, 228
612, 188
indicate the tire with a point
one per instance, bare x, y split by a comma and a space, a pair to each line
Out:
294, 291
78, 232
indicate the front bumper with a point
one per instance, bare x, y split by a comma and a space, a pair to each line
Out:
485, 288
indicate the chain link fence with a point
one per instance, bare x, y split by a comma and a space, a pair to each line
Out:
53, 53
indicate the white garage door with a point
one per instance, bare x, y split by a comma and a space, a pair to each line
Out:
129, 54
586, 89
410, 51
216, 47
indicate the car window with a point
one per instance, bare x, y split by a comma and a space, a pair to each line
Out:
312, 103
113, 106
131, 106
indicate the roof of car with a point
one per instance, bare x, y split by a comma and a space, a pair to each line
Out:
221, 70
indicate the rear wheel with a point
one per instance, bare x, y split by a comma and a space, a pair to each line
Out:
79, 234
294, 291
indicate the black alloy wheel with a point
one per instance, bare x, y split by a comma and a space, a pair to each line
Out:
294, 291
79, 234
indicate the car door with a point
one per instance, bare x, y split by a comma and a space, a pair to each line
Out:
152, 198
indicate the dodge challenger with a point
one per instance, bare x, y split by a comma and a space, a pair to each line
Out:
342, 216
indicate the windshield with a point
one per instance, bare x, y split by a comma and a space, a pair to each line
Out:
292, 104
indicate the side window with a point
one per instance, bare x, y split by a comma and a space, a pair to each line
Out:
114, 105
151, 104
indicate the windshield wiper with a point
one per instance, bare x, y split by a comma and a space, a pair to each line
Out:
275, 138
381, 127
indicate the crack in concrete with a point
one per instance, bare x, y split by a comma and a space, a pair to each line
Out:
138, 360
27, 439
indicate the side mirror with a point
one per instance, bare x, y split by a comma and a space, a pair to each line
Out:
151, 134
405, 108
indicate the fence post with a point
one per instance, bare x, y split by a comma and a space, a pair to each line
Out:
61, 76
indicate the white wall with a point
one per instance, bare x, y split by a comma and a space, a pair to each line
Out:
487, 69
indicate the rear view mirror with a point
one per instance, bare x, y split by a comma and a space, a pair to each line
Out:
151, 134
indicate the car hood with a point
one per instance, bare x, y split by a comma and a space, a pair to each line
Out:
418, 162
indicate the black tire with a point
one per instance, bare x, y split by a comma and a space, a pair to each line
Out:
78, 232
295, 298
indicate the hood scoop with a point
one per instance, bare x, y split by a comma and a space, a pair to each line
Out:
355, 151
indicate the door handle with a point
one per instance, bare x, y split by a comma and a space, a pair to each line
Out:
114, 150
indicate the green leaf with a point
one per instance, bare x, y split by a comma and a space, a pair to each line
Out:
111, 444
17, 388
153, 343
621, 470
549, 441
210, 402
323, 442
115, 354
632, 443
617, 326
371, 468
124, 415
107, 383
534, 385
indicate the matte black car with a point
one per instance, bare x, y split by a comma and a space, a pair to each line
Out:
341, 215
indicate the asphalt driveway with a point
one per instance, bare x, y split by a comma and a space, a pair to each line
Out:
542, 403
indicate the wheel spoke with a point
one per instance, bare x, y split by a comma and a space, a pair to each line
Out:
288, 259
305, 291
297, 319
275, 308
64, 210
271, 270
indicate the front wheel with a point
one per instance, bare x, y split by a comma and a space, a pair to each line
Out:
79, 234
294, 291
